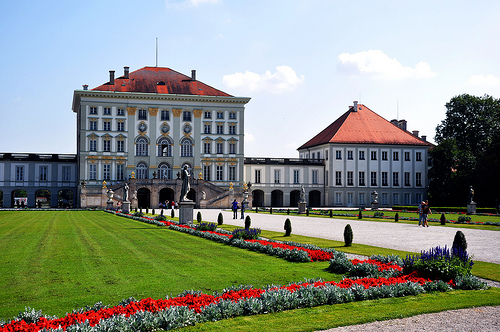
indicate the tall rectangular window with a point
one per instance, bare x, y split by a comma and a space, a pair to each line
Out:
384, 179
350, 199
207, 128
120, 174
373, 178
257, 176
349, 155
384, 200
232, 148
315, 177
120, 126
338, 198
93, 172
186, 115
296, 176
93, 110
407, 199
361, 155
220, 128
106, 111
232, 173
66, 173
206, 147
43, 173
395, 199
220, 115
220, 173
120, 146
361, 178
206, 173
373, 155
407, 179
106, 145
143, 114
220, 147
384, 155
207, 114
338, 178
407, 156
92, 144
361, 199
232, 129
120, 111
106, 171
92, 124
165, 115
232, 115
106, 124
418, 179
350, 181
395, 155
395, 178
418, 156
276, 176
338, 154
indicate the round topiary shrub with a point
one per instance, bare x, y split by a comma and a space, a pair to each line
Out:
248, 221
459, 241
348, 235
220, 219
172, 214
288, 227
198, 217
396, 217
443, 219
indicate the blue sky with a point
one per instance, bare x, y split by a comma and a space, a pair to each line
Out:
302, 62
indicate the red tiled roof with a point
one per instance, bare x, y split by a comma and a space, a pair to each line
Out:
160, 80
363, 126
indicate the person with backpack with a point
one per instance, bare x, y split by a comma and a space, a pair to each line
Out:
426, 211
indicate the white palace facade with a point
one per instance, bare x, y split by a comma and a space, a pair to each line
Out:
145, 126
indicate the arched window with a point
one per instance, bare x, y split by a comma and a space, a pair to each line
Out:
164, 147
141, 146
164, 171
141, 171
186, 148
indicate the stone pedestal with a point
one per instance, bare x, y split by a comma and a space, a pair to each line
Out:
471, 208
125, 207
109, 205
302, 207
186, 212
374, 205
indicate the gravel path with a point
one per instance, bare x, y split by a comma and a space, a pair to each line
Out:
474, 319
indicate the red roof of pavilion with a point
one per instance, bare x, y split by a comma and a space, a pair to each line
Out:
363, 126
160, 80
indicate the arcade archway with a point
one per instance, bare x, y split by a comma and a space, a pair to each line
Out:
277, 198
258, 198
143, 198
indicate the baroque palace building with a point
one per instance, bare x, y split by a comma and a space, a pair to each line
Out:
145, 126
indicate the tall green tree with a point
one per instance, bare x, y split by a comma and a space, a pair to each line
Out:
465, 154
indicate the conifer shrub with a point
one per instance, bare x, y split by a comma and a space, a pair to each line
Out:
271, 210
331, 213
288, 227
172, 214
147, 210
161, 214
220, 219
360, 215
248, 221
153, 212
443, 219
288, 211
198, 217
348, 235
396, 217
307, 211
459, 242
256, 209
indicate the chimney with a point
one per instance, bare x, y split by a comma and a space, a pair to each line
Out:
402, 124
395, 122
125, 72
415, 133
112, 77
85, 87
355, 106
193, 75
424, 138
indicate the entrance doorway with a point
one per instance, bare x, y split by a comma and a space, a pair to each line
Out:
143, 198
166, 194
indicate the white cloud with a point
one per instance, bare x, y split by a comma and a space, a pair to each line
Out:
284, 79
484, 80
377, 64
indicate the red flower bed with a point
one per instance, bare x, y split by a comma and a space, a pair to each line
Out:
381, 266
316, 255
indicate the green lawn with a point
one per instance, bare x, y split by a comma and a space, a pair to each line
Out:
59, 261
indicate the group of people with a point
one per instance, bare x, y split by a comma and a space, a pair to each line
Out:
235, 209
423, 213
167, 205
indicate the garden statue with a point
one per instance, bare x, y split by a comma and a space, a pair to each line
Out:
125, 192
302, 194
471, 195
185, 184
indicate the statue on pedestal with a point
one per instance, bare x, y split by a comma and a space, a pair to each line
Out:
186, 187
125, 192
471, 195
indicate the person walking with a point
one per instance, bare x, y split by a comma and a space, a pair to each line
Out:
426, 211
420, 212
235, 209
